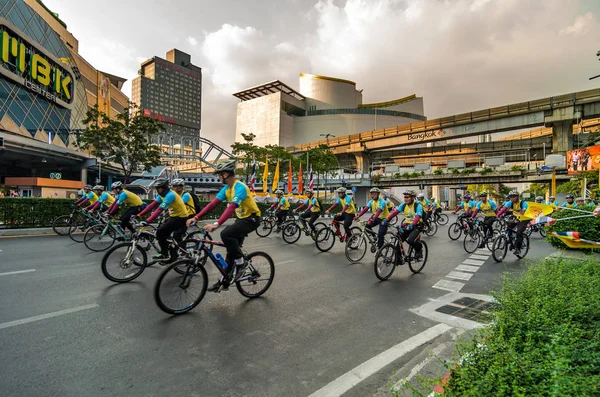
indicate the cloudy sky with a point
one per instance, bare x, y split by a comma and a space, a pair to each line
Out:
459, 55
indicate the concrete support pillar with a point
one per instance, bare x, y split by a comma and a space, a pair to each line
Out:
362, 162
562, 136
84, 175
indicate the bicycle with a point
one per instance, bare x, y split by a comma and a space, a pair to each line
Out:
126, 261
187, 278
507, 241
540, 228
267, 223
62, 224
430, 227
440, 218
475, 234
101, 237
393, 254
79, 225
326, 237
356, 245
458, 228
293, 229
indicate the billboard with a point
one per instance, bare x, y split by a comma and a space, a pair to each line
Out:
584, 159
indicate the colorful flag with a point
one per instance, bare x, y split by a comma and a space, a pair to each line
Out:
311, 181
542, 220
253, 177
573, 240
276, 177
290, 185
265, 175
536, 210
300, 185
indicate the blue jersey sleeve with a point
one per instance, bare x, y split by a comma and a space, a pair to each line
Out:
121, 198
478, 206
339, 201
508, 204
494, 206
314, 201
186, 197
168, 200
103, 197
158, 199
401, 207
89, 195
239, 194
524, 205
221, 196
370, 203
348, 200
382, 204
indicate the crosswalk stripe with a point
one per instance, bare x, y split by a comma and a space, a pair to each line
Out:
460, 275
473, 262
453, 286
467, 268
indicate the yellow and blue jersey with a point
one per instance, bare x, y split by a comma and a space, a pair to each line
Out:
488, 208
240, 195
92, 197
173, 202
380, 204
128, 198
347, 201
186, 197
315, 204
468, 205
517, 208
106, 199
283, 203
567, 205
411, 211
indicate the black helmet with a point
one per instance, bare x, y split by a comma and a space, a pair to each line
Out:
570, 196
483, 194
226, 166
160, 183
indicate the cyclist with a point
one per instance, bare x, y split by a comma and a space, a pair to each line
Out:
579, 201
467, 205
539, 200
553, 202
570, 203
412, 223
518, 208
437, 208
427, 208
166, 199
380, 211
312, 211
125, 197
282, 208
347, 212
88, 197
104, 199
177, 184
488, 207
588, 201
248, 216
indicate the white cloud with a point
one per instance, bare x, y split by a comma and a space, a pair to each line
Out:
581, 25
192, 41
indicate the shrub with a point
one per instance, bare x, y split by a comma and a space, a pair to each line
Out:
376, 178
588, 228
406, 175
413, 175
543, 340
486, 171
454, 171
517, 168
468, 171
438, 171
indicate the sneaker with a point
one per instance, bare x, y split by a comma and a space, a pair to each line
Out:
161, 257
239, 271
418, 255
517, 251
481, 245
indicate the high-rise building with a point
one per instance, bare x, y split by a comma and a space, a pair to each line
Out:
170, 90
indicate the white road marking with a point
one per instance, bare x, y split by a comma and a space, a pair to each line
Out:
460, 275
434, 353
350, 379
480, 257
47, 315
17, 272
473, 262
467, 268
482, 252
284, 262
446, 285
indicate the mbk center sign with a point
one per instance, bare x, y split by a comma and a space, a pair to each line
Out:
33, 67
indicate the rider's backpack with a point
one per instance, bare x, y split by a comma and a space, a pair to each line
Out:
196, 201
320, 205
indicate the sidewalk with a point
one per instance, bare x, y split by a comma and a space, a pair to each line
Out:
37, 231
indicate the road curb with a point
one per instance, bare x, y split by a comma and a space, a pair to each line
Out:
38, 231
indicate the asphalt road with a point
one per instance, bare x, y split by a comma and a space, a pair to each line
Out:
65, 330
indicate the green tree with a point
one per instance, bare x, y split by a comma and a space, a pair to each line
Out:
127, 139
247, 152
574, 186
537, 189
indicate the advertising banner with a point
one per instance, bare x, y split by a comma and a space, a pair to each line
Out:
584, 159
103, 94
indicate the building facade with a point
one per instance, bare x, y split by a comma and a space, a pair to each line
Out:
323, 106
46, 88
170, 90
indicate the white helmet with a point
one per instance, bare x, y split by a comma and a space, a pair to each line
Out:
177, 182
420, 195
116, 185
341, 190
278, 191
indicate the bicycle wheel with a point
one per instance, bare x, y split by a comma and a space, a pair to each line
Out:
61, 225
189, 246
325, 239
394, 221
542, 230
319, 226
264, 227
291, 233
472, 241
385, 261
123, 263
99, 238
524, 247
442, 219
500, 248
489, 241
431, 229
455, 231
177, 293
258, 276
356, 248
77, 229
414, 265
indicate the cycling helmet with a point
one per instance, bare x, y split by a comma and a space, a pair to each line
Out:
410, 192
341, 190
421, 195
513, 193
579, 199
483, 194
177, 182
89, 187
432, 199
307, 191
278, 191
160, 183
467, 196
552, 197
226, 166
374, 190
98, 187
507, 197
539, 198
116, 185
570, 196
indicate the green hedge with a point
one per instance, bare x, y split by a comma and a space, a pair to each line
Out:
41, 212
544, 339
588, 228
